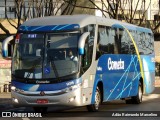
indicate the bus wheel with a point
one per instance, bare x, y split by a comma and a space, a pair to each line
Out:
138, 98
94, 107
40, 109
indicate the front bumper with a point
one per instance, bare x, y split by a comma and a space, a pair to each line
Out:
72, 98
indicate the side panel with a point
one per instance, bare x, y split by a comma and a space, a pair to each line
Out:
149, 73
87, 87
120, 75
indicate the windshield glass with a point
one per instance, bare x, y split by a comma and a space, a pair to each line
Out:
39, 56
27, 58
61, 55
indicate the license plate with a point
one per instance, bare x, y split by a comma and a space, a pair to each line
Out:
42, 101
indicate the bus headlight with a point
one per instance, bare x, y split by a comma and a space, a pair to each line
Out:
72, 88
13, 88
16, 89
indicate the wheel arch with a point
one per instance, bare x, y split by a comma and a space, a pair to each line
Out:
100, 86
142, 83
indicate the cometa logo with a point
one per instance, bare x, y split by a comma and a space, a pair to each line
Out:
115, 65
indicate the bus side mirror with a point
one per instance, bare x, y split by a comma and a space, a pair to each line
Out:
81, 43
5, 46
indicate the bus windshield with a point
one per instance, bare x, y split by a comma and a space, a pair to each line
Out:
40, 56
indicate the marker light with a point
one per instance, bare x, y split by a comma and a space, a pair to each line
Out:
17, 38
72, 99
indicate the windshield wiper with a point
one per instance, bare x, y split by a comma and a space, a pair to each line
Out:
54, 67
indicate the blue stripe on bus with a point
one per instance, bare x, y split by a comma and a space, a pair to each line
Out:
44, 87
140, 29
63, 27
40, 27
4, 53
118, 83
25, 27
122, 83
49, 27
81, 51
120, 26
134, 76
135, 28
54, 27
123, 90
123, 77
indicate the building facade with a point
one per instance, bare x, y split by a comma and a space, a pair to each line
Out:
151, 7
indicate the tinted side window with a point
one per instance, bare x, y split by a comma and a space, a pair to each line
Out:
127, 46
145, 43
132, 48
149, 47
140, 42
105, 41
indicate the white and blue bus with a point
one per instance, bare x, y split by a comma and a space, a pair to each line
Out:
114, 60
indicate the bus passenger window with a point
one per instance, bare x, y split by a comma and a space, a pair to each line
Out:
127, 46
117, 37
145, 42
105, 41
124, 43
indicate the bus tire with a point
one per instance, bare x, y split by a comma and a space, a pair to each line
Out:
40, 109
138, 98
95, 107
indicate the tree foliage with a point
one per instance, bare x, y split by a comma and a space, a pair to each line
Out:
28, 9
116, 9
131, 11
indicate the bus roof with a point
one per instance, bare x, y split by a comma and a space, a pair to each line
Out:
74, 21
82, 20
